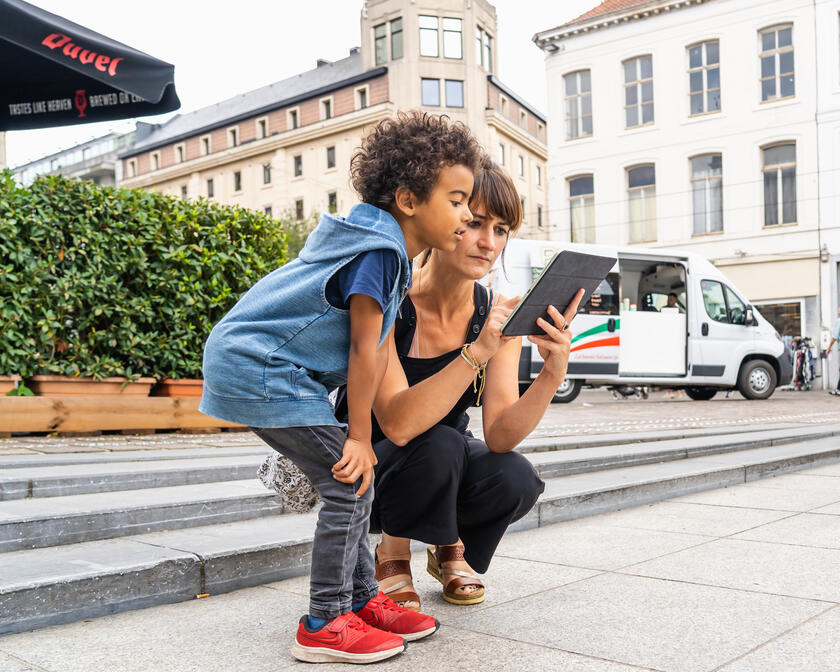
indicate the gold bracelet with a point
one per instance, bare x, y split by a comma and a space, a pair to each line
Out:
479, 372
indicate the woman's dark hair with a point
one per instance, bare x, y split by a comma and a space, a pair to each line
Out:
408, 151
494, 189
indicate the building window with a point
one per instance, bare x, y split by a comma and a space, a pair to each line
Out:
539, 216
429, 36
707, 193
540, 130
132, 168
578, 104
294, 121
155, 160
454, 93
521, 164
704, 77
205, 145
179, 153
299, 209
396, 39
779, 184
210, 188
183, 191
361, 99
332, 202
582, 209
483, 49
237, 181
776, 56
638, 91
267, 210
430, 92
501, 154
503, 105
539, 176
298, 163
452, 38
233, 137
380, 44
330, 157
326, 108
641, 196
523, 118
262, 128
266, 173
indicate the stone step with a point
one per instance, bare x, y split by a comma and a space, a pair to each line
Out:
51, 521
47, 586
78, 479
549, 457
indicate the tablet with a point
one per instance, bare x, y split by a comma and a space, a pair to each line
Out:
557, 285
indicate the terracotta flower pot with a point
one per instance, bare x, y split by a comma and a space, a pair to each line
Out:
7, 384
178, 387
65, 386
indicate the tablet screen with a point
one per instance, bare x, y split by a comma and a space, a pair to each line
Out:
557, 285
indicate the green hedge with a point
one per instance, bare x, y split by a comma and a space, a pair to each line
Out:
99, 282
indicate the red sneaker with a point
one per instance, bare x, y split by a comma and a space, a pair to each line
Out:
381, 613
345, 639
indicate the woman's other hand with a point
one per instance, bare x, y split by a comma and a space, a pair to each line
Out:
554, 347
491, 338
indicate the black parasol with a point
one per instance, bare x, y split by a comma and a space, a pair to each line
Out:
54, 72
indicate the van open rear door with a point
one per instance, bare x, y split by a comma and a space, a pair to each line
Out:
653, 317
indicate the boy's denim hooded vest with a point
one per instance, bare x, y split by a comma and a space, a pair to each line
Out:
274, 358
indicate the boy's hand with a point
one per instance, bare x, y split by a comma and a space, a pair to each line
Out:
357, 460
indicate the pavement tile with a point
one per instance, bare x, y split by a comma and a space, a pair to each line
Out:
794, 571
801, 482
591, 543
825, 470
804, 529
664, 625
10, 664
17, 451
831, 509
811, 646
756, 495
457, 649
715, 521
250, 629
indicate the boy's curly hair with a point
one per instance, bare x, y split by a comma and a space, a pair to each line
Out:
409, 150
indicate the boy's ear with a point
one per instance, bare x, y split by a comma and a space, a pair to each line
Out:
405, 200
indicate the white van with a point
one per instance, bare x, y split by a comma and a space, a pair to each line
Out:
661, 318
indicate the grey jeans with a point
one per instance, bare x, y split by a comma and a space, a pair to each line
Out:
342, 563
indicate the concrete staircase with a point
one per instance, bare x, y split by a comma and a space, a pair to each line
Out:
88, 534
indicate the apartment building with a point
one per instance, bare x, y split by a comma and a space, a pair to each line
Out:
711, 126
95, 160
286, 147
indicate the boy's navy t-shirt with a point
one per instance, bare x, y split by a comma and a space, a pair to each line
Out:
372, 273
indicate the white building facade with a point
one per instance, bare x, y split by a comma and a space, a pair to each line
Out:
711, 126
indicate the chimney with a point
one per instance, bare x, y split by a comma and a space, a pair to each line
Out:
355, 50
322, 62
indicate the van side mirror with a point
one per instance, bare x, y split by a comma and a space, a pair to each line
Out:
751, 321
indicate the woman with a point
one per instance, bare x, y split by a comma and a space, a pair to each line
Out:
434, 481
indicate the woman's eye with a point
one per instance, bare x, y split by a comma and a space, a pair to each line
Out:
501, 231
456, 203
474, 224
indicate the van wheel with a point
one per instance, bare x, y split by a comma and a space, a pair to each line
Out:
757, 379
700, 393
568, 391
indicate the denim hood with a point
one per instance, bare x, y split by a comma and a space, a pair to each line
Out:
274, 358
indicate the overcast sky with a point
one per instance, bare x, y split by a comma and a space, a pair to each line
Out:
221, 50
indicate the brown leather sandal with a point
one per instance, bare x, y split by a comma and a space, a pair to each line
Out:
402, 591
453, 579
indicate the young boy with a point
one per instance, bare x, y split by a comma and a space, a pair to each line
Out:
319, 321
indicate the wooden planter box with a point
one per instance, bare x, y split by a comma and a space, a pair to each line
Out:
178, 387
64, 386
7, 384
